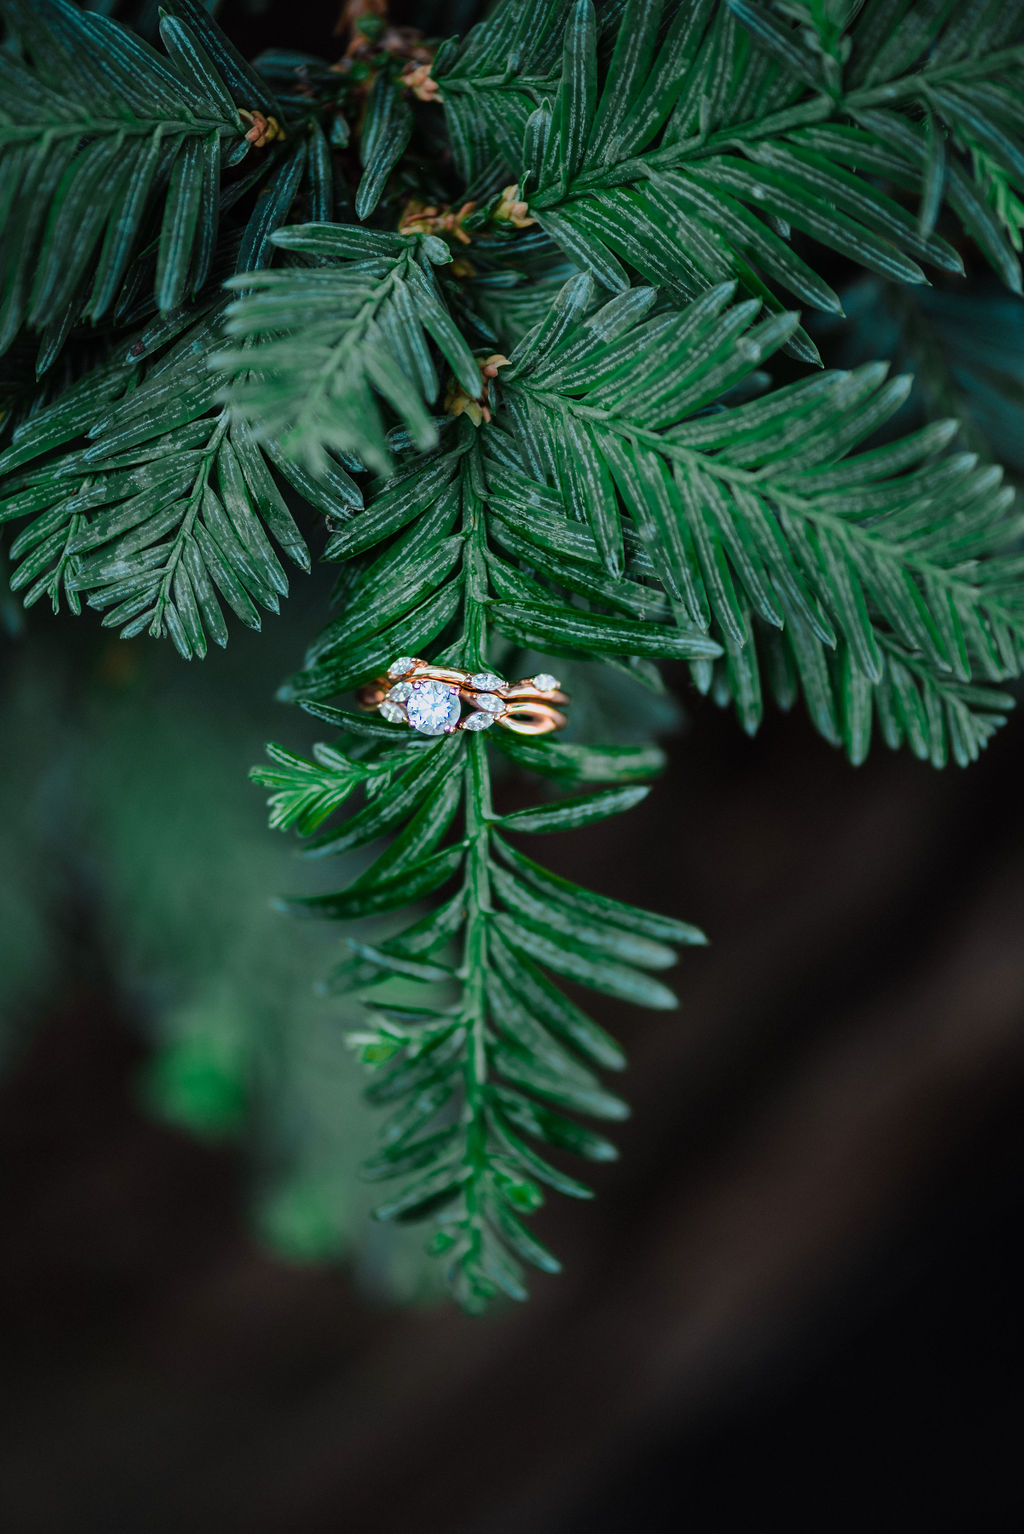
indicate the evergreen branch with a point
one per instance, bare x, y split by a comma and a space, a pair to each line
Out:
937, 717
333, 339
707, 143
756, 508
492, 81
496, 1055
104, 145
160, 518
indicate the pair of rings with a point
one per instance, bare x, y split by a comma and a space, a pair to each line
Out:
431, 698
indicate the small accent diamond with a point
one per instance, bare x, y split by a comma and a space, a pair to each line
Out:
392, 713
402, 665
433, 708
399, 692
545, 682
490, 702
479, 721
486, 681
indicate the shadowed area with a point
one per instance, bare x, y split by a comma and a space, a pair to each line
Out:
796, 1285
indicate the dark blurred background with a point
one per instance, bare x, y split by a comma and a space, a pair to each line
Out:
798, 1290
796, 1297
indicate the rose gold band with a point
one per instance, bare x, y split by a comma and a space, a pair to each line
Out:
430, 699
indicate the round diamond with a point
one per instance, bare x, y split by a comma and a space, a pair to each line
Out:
490, 702
399, 692
486, 681
392, 712
479, 721
402, 665
545, 682
433, 708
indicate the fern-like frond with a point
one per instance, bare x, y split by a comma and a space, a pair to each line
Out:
554, 457
163, 515
493, 1068
508, 61
495, 1059
409, 577
104, 144
938, 718
761, 509
333, 339
718, 129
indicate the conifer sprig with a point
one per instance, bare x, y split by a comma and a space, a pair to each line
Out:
495, 1056
119, 163
757, 514
719, 128
161, 520
157, 130
897, 565
341, 335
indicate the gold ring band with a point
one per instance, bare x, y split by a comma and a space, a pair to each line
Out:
430, 699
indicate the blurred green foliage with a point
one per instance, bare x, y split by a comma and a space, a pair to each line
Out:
139, 868
964, 349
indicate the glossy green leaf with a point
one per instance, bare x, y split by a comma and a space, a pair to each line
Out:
569, 814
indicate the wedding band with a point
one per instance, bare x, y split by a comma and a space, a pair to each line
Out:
430, 699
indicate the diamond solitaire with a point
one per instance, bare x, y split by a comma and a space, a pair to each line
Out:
433, 708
